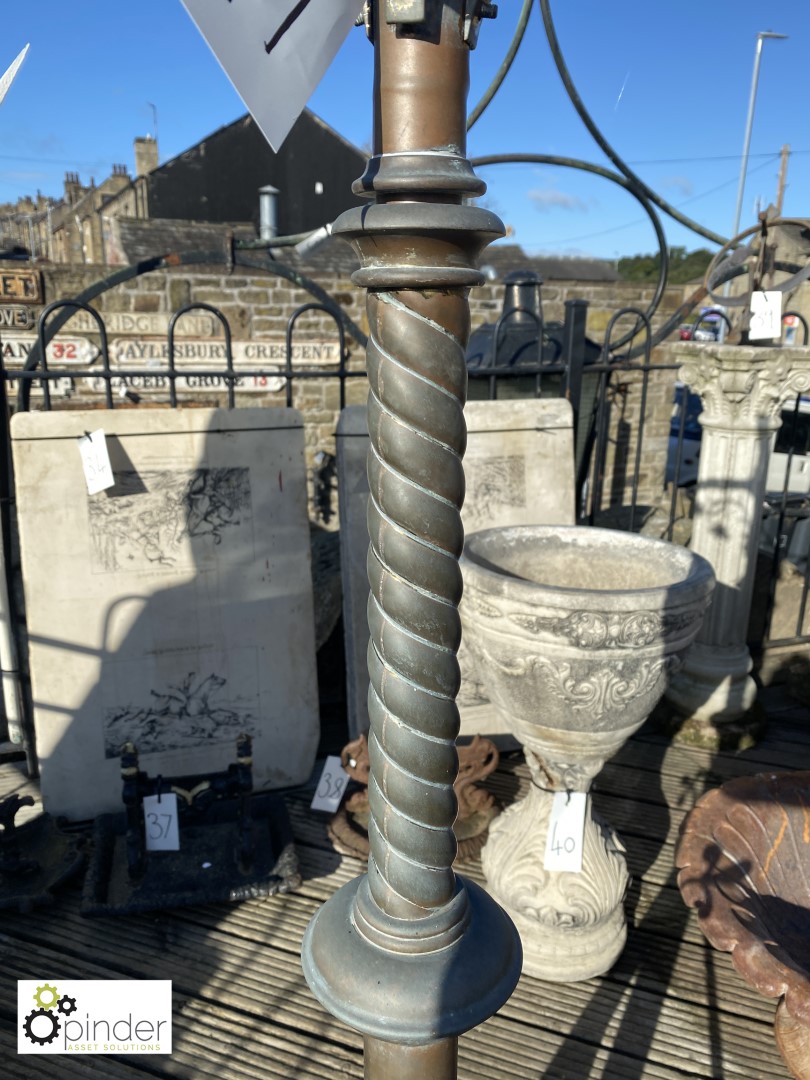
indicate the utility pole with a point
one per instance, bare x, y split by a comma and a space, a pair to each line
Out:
780, 189
410, 954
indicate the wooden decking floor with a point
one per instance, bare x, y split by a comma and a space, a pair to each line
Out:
671, 1007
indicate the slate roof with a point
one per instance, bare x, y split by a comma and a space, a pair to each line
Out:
141, 239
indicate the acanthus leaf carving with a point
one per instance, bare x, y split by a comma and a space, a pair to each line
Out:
600, 690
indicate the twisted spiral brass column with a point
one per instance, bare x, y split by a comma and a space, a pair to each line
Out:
411, 954
417, 384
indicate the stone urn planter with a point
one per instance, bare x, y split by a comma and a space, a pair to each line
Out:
576, 631
744, 864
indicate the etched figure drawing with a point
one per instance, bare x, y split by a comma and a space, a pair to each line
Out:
181, 717
147, 520
494, 483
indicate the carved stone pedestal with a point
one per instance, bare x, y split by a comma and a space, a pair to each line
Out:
743, 389
580, 916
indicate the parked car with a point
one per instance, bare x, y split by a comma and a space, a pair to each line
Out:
705, 331
685, 464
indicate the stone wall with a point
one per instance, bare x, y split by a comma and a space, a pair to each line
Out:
258, 305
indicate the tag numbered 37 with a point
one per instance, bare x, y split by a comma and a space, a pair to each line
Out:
160, 822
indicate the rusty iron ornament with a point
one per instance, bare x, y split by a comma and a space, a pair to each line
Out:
411, 954
348, 828
744, 864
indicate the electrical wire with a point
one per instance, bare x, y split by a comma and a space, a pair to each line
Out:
638, 221
503, 70
625, 182
602, 142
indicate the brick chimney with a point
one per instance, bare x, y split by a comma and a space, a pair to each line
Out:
146, 155
73, 188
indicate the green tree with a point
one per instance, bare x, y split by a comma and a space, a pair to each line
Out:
684, 266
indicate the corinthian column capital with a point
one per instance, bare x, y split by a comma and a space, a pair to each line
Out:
743, 387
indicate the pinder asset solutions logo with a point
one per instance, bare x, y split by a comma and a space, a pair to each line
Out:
94, 1016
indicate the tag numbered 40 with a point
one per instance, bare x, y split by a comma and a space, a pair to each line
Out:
566, 832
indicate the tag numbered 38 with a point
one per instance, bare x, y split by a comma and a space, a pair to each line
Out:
160, 822
566, 832
331, 786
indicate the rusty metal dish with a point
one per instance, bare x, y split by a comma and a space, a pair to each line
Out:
744, 864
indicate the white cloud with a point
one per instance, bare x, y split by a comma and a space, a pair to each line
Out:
682, 184
547, 199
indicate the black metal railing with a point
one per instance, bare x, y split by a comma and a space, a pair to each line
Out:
549, 361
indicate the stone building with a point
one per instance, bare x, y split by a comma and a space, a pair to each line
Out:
213, 184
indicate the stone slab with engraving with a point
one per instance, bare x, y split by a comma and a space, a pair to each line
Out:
174, 609
519, 468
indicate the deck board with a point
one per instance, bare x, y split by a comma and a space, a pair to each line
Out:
671, 1008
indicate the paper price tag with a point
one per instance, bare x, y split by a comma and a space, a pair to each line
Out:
331, 786
96, 462
160, 822
766, 316
566, 831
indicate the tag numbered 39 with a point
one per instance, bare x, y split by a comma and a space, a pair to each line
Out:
566, 832
160, 822
331, 786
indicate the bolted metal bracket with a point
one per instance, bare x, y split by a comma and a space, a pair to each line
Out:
409, 12
475, 11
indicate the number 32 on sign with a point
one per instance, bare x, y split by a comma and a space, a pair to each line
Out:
331, 786
566, 831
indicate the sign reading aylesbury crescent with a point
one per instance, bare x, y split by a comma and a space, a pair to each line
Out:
64, 349
304, 353
255, 363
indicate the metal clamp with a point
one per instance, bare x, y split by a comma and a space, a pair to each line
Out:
408, 12
474, 12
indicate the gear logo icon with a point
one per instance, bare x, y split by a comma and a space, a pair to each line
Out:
66, 1005
41, 1036
49, 993
44, 1022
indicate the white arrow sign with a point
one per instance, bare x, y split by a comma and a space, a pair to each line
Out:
8, 78
275, 52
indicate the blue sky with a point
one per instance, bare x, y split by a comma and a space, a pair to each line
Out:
667, 82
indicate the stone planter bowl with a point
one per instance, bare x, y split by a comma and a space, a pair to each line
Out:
744, 864
577, 628
575, 631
